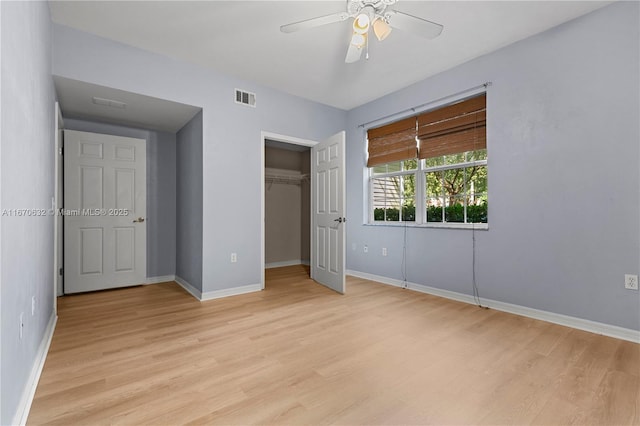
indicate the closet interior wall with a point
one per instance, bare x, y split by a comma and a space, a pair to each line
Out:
287, 207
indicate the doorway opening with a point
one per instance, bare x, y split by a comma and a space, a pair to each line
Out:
173, 135
286, 202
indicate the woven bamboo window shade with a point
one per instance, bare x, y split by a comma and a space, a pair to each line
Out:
392, 142
454, 128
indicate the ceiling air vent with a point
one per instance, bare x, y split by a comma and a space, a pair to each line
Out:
245, 98
108, 102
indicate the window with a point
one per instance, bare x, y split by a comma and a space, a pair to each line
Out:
393, 191
431, 168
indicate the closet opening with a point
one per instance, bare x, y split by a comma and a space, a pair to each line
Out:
287, 206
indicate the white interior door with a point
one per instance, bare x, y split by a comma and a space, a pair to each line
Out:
104, 211
328, 206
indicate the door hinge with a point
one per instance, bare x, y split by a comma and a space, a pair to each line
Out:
61, 271
61, 151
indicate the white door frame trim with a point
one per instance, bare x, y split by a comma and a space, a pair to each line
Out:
286, 139
57, 225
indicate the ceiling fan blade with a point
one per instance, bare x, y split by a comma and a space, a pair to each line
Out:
413, 24
353, 54
314, 22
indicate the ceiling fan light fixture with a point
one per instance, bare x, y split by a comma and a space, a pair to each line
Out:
361, 23
358, 40
381, 29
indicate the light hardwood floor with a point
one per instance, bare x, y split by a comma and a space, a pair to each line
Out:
298, 353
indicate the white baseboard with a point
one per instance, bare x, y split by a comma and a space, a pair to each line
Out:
189, 288
161, 279
568, 321
29, 391
217, 294
286, 263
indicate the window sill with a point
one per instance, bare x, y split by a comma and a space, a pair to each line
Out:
438, 225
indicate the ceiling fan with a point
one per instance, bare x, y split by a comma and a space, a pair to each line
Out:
369, 14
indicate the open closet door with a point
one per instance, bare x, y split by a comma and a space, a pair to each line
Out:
328, 207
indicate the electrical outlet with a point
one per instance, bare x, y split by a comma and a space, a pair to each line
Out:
366, 249
631, 282
384, 251
33, 306
234, 257
21, 324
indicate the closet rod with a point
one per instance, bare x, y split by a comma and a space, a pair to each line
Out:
415, 108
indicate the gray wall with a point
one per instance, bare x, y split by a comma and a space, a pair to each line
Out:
189, 202
232, 139
161, 204
161, 190
26, 178
562, 135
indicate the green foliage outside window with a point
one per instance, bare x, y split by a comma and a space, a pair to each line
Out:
393, 215
455, 213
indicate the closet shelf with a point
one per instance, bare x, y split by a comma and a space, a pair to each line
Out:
285, 179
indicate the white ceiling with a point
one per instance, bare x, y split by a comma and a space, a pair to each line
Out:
242, 38
76, 101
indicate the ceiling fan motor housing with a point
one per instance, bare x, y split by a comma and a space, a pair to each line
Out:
374, 8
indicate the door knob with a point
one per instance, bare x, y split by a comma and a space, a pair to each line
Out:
138, 220
340, 219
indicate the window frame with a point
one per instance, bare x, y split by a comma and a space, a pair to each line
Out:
420, 174
372, 176
462, 166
